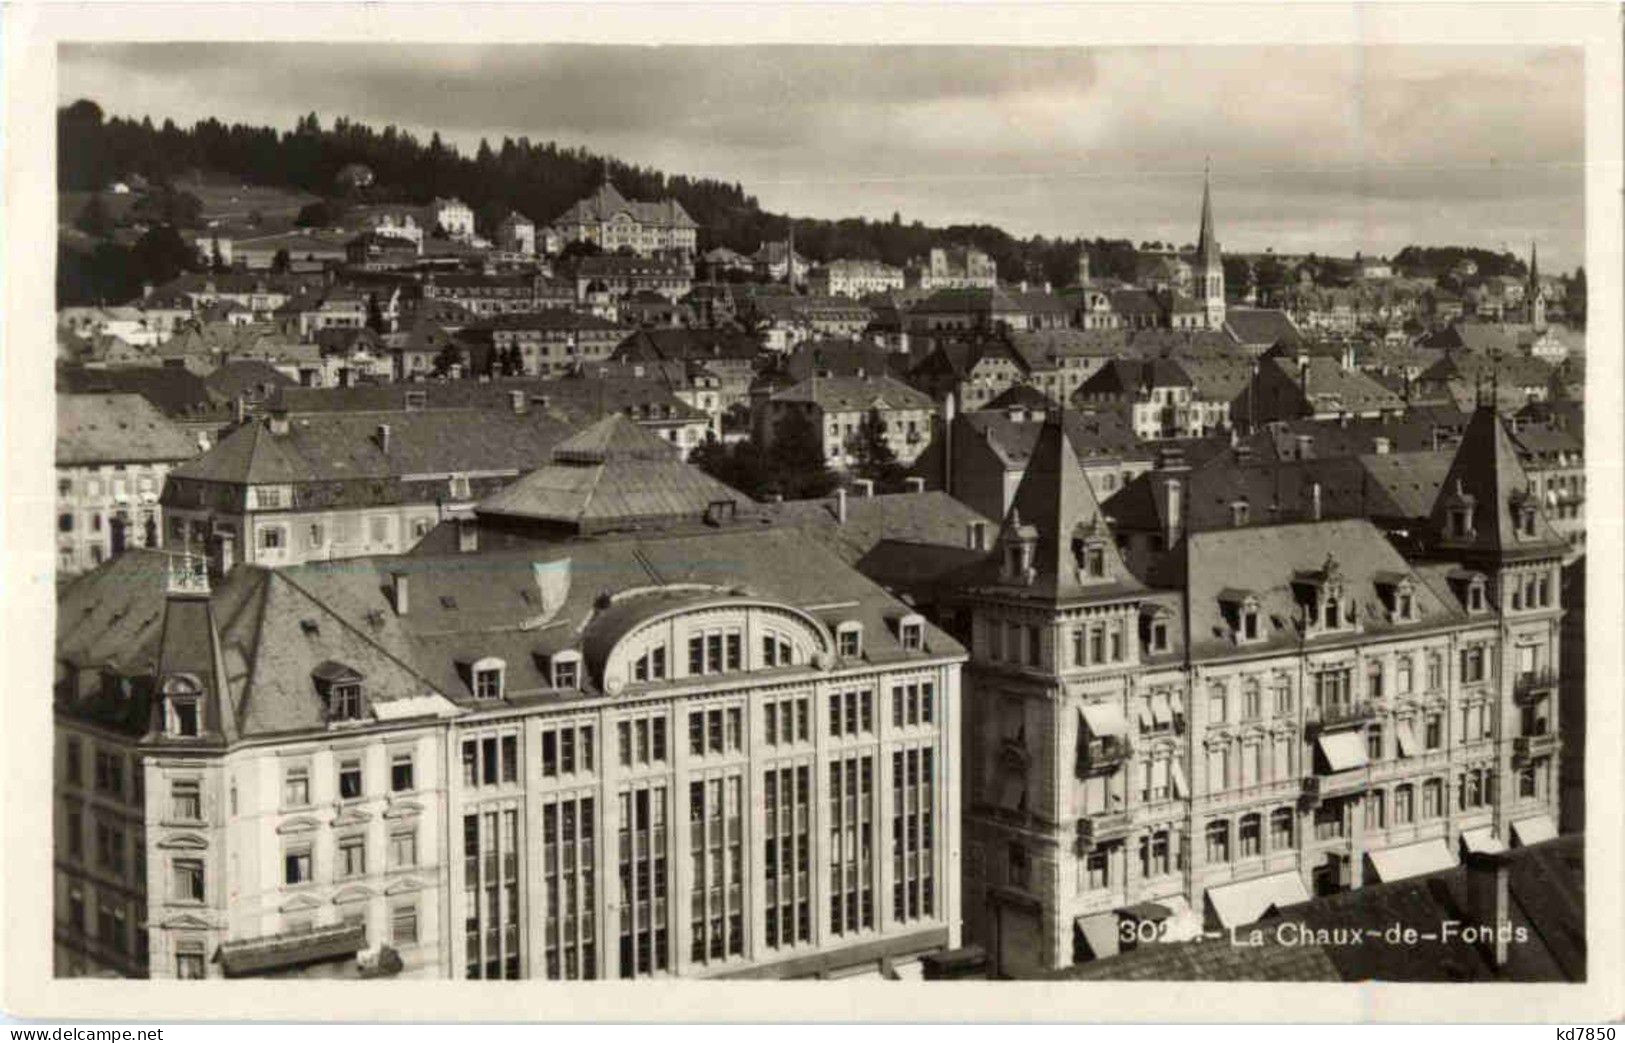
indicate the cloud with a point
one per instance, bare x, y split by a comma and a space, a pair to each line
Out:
1443, 143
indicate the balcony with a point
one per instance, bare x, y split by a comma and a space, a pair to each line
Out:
1353, 714
1099, 756
1527, 747
1103, 829
1530, 684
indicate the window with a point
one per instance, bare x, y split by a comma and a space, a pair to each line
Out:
1376, 810
297, 865
565, 673
352, 856
1433, 798
1373, 681
350, 778
1252, 700
1097, 870
913, 636
1159, 635
1283, 696
1373, 742
1403, 679
296, 787
849, 640
1433, 731
1435, 671
1249, 839
186, 880
189, 963
403, 849
651, 666
1019, 868
1472, 665
488, 683
271, 537
1218, 706
401, 772
1404, 804
186, 800
403, 925
75, 765
1283, 829
184, 716
344, 702
1218, 840
64, 522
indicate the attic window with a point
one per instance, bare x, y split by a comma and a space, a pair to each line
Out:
566, 670
486, 677
1249, 620
849, 640
310, 627
1238, 513
911, 633
1475, 595
184, 703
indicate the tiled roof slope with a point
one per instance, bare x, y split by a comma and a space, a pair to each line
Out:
126, 428
338, 447
865, 392
1486, 468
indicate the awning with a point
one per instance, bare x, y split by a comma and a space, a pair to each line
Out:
1405, 735
1251, 900
1533, 830
258, 955
1099, 934
1344, 751
1104, 719
1401, 863
1482, 839
1161, 712
1156, 912
1178, 770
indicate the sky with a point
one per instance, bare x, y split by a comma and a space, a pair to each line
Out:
1318, 148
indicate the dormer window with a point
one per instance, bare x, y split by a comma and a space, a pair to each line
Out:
911, 633
486, 678
1249, 621
1475, 596
849, 640
651, 665
1238, 513
566, 669
183, 702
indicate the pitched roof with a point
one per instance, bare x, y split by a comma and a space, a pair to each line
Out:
1131, 376
123, 428
686, 344
1486, 470
1055, 506
611, 475
178, 393
846, 393
1268, 326
607, 201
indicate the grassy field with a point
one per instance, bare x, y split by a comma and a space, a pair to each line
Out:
224, 199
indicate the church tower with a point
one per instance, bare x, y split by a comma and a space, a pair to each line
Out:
1209, 265
1536, 299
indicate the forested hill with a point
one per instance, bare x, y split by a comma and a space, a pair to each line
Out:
539, 179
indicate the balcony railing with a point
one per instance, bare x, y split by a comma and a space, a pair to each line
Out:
1528, 683
1351, 714
1103, 755
1527, 747
1101, 829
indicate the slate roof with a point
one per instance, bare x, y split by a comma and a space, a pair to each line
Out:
1128, 377
572, 400
685, 344
1094, 433
848, 393
1281, 390
1487, 469
1255, 326
1270, 560
607, 201
178, 393
346, 447
122, 428
1022, 397
246, 377
611, 475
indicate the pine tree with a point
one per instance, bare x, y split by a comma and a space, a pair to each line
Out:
446, 359
94, 218
872, 454
795, 462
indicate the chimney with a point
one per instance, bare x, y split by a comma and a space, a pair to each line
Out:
976, 535
1314, 500
383, 438
468, 535
399, 591
1172, 514
1489, 903
914, 484
840, 506
864, 487
516, 398
1383, 447
279, 422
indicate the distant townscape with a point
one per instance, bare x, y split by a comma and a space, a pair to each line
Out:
527, 565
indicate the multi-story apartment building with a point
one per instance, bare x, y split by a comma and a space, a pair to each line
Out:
113, 452
485, 294
615, 275
517, 233
453, 217
851, 278
839, 406
704, 750
611, 221
954, 268
549, 343
1259, 713
281, 490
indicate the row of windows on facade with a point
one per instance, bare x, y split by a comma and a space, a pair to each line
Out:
67, 522
92, 486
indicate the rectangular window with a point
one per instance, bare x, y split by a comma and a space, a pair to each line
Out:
1433, 731
401, 773
186, 800
1248, 839
186, 880
296, 787
352, 856
403, 925
350, 778
296, 865
1283, 829
403, 849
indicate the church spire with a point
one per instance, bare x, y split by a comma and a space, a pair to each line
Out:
1209, 265
1207, 245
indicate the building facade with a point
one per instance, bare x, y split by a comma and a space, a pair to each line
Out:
1269, 711
610, 220
113, 453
